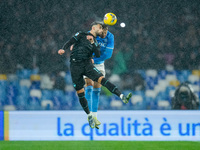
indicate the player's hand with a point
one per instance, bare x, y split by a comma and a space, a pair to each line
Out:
90, 38
92, 60
71, 47
61, 51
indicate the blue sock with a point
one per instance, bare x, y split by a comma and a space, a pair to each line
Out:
88, 96
95, 99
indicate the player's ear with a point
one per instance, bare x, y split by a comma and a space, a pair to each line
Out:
93, 27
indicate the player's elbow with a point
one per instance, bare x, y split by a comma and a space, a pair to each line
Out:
98, 54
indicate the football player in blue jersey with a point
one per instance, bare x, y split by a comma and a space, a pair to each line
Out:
93, 89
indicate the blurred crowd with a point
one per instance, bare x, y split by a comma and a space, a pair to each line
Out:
157, 33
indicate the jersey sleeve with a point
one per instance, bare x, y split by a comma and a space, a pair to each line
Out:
71, 41
110, 44
108, 50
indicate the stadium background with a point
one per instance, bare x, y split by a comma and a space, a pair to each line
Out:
156, 51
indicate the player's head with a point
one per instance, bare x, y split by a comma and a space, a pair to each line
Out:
105, 30
97, 28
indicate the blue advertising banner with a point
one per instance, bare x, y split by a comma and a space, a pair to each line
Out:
116, 125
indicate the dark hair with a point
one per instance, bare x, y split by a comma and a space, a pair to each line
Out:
104, 26
97, 22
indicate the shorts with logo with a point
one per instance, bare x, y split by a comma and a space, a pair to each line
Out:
84, 68
101, 68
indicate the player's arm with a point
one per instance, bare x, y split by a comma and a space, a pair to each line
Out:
96, 49
70, 42
108, 50
106, 55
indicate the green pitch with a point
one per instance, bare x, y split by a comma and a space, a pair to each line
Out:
97, 145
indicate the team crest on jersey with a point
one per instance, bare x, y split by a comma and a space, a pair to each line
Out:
101, 44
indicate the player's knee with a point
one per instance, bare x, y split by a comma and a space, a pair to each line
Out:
81, 95
79, 86
88, 82
80, 91
100, 79
97, 85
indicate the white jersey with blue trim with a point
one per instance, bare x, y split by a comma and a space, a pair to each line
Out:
106, 48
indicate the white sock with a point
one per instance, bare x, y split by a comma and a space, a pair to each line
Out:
90, 114
94, 114
121, 96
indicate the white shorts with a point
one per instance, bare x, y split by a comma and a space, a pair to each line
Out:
101, 68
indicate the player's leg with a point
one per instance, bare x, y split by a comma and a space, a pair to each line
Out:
96, 92
94, 74
95, 99
83, 101
89, 91
84, 104
78, 81
113, 89
91, 103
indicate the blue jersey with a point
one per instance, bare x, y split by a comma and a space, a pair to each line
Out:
107, 46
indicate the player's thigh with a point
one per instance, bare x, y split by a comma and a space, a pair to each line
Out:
101, 68
92, 72
77, 76
88, 82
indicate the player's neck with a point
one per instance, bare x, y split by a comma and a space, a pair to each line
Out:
93, 33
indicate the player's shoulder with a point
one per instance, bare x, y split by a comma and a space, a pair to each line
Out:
79, 33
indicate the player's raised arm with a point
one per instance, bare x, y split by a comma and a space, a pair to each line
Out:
70, 42
66, 45
107, 53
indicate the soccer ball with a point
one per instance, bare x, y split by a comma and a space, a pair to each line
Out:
110, 19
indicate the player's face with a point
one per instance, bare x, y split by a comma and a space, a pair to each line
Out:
104, 33
99, 30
